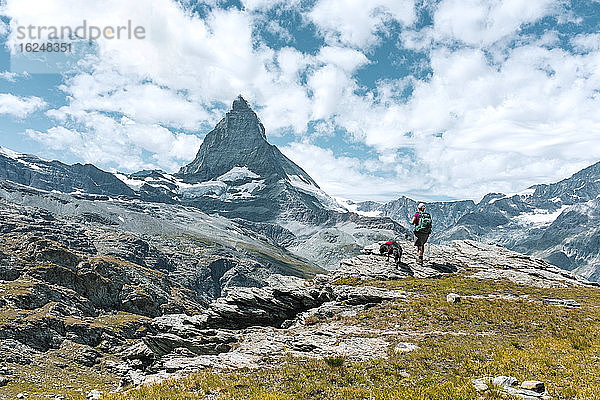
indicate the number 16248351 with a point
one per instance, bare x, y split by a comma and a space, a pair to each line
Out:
45, 47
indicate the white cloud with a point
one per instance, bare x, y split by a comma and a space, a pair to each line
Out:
345, 177
356, 22
20, 106
144, 102
346, 59
121, 143
58, 138
276, 29
483, 22
329, 86
586, 42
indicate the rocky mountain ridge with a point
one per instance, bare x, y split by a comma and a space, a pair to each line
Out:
557, 221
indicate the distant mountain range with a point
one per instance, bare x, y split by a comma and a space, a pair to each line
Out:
559, 222
238, 175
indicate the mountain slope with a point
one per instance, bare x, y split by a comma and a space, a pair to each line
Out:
53, 175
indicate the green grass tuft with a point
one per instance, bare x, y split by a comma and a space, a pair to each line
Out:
334, 361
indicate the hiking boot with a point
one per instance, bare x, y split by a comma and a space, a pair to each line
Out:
420, 260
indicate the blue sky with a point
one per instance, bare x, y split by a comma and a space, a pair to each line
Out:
434, 99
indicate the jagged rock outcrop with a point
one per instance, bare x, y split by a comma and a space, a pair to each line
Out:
480, 260
276, 320
528, 390
252, 325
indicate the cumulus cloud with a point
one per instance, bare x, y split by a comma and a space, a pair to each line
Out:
346, 177
146, 103
346, 59
121, 143
483, 22
20, 107
586, 42
282, 33
356, 23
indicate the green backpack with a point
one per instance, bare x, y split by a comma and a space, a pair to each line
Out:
424, 225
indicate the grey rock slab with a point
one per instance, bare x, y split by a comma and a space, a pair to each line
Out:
208, 342
485, 261
505, 381
281, 300
372, 266
525, 394
562, 302
509, 385
405, 347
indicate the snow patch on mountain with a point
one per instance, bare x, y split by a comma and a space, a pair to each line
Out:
526, 193
539, 217
214, 189
133, 183
327, 201
236, 174
9, 153
13, 155
252, 186
353, 207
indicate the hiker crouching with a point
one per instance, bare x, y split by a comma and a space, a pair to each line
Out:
422, 222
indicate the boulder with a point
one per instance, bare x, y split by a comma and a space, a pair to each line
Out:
283, 299
94, 394
562, 302
535, 386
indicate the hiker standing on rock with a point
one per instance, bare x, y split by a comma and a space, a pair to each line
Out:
422, 222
